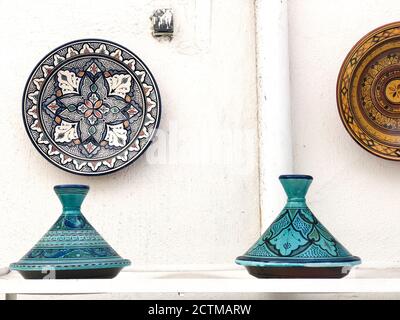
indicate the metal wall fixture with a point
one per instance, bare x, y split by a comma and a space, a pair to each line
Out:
163, 23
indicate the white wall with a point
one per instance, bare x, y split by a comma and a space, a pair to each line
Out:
354, 193
193, 198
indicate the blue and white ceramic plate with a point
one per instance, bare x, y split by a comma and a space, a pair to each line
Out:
91, 107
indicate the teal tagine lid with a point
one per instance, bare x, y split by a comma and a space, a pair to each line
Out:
72, 248
296, 244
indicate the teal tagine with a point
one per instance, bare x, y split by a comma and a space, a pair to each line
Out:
72, 248
297, 245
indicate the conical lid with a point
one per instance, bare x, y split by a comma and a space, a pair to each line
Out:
296, 238
71, 243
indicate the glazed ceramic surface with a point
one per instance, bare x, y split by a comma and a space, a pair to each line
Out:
72, 248
91, 107
368, 92
296, 241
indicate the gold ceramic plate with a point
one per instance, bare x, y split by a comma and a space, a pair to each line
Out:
368, 92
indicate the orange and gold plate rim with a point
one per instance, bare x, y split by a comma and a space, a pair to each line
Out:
382, 142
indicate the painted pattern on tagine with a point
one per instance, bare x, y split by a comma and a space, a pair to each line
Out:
91, 107
368, 92
297, 233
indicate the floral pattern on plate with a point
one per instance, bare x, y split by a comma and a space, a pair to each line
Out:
91, 107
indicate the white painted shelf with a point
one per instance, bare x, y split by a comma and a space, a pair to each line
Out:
359, 281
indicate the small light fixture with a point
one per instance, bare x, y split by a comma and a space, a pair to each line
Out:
163, 23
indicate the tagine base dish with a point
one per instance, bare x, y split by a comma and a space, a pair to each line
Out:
106, 273
298, 272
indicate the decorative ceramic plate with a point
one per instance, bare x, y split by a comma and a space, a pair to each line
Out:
368, 92
91, 107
